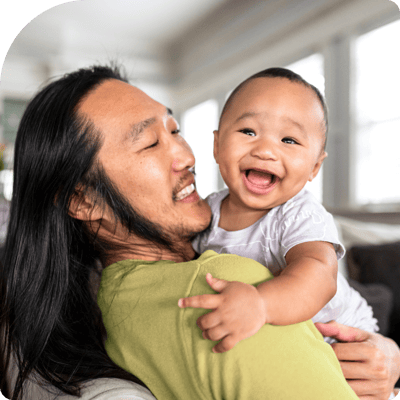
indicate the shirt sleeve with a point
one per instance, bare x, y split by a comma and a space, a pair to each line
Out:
356, 313
303, 219
349, 308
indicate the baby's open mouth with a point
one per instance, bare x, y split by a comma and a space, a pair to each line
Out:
260, 178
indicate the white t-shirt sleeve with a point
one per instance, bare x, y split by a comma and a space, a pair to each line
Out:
357, 313
349, 308
303, 219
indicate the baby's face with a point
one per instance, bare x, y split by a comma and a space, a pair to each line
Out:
270, 142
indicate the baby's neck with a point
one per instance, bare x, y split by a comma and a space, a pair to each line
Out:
234, 217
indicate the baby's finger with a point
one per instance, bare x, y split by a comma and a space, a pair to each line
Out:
227, 343
208, 301
215, 334
217, 284
209, 320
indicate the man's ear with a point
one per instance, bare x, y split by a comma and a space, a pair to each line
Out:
318, 165
216, 145
82, 208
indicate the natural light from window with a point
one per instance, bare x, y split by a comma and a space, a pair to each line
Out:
198, 124
377, 111
312, 70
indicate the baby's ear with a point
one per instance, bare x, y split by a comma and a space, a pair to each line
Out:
318, 165
216, 145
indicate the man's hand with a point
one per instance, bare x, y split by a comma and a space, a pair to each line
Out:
369, 361
239, 312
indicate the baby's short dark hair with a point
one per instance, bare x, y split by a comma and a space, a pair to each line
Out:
285, 73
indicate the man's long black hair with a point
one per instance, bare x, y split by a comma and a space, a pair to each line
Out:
48, 314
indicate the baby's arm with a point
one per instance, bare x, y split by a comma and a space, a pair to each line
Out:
239, 312
304, 286
297, 294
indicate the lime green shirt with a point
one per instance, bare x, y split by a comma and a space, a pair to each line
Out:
151, 337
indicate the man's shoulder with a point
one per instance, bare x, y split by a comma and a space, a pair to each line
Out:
233, 267
134, 275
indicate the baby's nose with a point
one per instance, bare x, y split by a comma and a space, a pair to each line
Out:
265, 149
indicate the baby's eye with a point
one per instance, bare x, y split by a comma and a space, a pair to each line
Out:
289, 141
248, 132
176, 131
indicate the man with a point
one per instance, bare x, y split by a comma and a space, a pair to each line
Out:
102, 173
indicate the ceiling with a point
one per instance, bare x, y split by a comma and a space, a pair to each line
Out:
142, 26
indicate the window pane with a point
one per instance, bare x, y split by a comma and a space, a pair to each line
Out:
198, 124
377, 116
312, 70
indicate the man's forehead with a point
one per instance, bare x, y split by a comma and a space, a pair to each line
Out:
121, 111
113, 93
117, 105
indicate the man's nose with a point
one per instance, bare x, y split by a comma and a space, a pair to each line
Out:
183, 157
265, 149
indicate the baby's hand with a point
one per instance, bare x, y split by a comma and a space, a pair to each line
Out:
239, 312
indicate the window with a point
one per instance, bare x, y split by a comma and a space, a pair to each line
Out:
377, 116
198, 124
12, 114
6, 183
312, 70
13, 110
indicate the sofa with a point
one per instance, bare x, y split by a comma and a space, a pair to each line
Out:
372, 266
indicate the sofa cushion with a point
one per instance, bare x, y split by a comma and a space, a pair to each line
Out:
379, 264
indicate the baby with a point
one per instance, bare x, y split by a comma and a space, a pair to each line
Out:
270, 143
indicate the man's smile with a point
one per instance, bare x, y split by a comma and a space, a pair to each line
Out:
185, 192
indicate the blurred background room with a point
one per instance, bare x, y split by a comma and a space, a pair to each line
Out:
189, 55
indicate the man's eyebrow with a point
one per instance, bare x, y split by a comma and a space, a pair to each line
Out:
137, 129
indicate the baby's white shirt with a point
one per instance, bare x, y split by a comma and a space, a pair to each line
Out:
299, 220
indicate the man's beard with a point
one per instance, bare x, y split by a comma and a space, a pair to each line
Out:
133, 220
